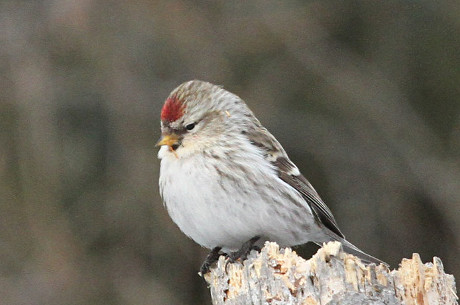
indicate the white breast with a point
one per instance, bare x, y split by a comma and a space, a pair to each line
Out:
224, 204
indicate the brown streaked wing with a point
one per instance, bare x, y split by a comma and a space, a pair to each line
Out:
288, 172
301, 184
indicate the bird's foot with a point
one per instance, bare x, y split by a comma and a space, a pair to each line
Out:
243, 252
212, 257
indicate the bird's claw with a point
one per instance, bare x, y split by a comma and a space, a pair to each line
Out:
212, 257
243, 252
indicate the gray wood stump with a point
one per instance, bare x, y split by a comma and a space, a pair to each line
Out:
331, 276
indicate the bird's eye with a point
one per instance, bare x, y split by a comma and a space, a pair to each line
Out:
190, 126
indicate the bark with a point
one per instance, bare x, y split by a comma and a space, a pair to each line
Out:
331, 276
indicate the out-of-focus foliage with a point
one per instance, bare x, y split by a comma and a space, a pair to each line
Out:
364, 95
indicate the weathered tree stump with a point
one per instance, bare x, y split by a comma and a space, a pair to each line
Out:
331, 276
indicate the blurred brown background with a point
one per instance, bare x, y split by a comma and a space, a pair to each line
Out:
364, 96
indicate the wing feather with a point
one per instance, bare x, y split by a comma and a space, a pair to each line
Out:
290, 174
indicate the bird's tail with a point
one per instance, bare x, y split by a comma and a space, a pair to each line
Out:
352, 249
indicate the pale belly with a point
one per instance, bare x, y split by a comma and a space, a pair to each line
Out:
227, 210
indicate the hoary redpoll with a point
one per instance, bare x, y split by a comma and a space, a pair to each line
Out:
227, 182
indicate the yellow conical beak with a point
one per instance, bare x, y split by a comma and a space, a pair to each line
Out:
168, 139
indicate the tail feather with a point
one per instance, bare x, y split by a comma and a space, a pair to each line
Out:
352, 249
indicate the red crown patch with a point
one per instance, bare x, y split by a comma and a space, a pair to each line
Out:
173, 109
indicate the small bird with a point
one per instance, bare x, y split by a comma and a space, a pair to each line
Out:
228, 183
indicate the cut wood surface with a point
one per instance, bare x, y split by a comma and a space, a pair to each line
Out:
331, 276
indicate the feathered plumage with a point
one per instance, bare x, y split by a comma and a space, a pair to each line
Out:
225, 179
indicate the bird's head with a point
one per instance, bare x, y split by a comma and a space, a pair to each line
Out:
198, 115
